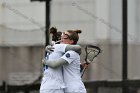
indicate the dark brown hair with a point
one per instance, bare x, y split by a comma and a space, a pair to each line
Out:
73, 35
56, 35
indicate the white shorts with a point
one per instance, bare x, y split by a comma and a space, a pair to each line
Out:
52, 91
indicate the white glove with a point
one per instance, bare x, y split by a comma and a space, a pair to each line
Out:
49, 49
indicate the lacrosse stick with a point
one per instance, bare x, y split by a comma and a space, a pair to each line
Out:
91, 53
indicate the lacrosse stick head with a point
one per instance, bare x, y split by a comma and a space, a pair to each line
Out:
91, 53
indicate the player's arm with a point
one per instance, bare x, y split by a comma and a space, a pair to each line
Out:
54, 63
76, 48
67, 58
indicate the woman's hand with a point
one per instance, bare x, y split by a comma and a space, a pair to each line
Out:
49, 49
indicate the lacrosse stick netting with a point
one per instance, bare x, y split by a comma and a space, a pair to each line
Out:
91, 53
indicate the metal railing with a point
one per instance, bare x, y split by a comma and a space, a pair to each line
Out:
92, 87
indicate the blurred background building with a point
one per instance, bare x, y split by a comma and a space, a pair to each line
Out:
22, 37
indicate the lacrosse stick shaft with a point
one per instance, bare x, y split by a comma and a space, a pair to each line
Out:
83, 71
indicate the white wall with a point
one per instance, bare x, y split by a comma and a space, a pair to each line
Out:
101, 22
75, 14
22, 22
134, 41
93, 17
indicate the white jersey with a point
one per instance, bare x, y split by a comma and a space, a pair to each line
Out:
53, 78
71, 73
